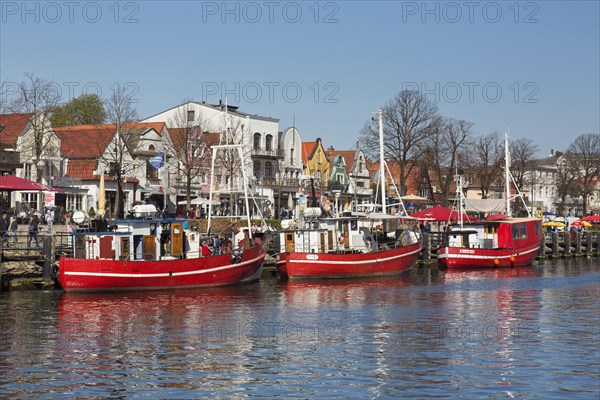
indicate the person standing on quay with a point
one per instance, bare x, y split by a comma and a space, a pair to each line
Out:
33, 231
14, 226
4, 228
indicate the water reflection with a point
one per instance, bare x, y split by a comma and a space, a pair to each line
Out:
427, 333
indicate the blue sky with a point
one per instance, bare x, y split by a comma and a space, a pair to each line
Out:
531, 67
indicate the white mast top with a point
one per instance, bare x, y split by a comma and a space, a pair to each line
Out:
507, 175
381, 160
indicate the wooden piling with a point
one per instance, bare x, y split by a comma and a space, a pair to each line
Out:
554, 244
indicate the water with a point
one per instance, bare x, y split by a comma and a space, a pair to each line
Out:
531, 332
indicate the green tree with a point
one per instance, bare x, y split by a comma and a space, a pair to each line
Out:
86, 109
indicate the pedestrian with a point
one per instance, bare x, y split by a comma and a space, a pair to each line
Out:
4, 228
14, 225
33, 230
49, 219
205, 249
217, 246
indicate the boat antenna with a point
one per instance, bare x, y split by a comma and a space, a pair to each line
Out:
507, 174
381, 160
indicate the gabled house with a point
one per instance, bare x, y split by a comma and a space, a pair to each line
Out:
356, 171
316, 164
91, 150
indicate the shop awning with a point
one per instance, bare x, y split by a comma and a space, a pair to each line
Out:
13, 183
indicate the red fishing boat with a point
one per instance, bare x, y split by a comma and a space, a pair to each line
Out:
499, 241
153, 254
325, 251
504, 243
348, 246
146, 253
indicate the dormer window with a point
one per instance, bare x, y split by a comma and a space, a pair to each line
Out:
191, 115
151, 148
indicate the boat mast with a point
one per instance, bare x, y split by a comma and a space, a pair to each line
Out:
381, 160
506, 174
459, 195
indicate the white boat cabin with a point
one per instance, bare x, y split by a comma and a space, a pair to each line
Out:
139, 239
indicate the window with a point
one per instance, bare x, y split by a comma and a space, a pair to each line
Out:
339, 178
318, 158
191, 115
523, 231
515, 231
268, 170
292, 155
257, 141
256, 167
74, 202
113, 167
28, 171
151, 148
269, 143
30, 198
151, 172
538, 228
203, 178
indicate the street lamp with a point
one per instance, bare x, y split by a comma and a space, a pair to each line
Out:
40, 170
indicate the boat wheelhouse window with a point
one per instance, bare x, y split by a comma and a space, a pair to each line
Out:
354, 224
523, 231
515, 231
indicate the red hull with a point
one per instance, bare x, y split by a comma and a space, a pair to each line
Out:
348, 265
460, 257
84, 274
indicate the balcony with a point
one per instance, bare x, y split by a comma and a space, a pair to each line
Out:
258, 152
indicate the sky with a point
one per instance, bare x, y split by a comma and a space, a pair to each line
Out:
531, 68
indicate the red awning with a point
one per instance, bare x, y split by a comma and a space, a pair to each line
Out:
591, 218
12, 183
440, 214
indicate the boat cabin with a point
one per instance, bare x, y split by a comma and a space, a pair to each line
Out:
326, 235
139, 239
495, 234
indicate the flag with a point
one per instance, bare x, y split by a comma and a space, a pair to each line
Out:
158, 161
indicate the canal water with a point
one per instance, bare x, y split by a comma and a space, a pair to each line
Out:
528, 332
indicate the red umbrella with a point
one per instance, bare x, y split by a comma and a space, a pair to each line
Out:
581, 223
591, 218
12, 183
441, 214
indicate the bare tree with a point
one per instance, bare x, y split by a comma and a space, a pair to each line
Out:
564, 179
522, 156
188, 143
449, 136
35, 97
408, 120
486, 161
584, 154
120, 113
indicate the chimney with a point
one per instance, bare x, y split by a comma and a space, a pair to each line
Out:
551, 153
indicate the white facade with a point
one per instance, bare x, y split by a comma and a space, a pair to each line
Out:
258, 135
360, 182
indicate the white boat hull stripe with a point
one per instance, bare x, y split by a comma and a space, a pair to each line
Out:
446, 255
162, 275
353, 262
